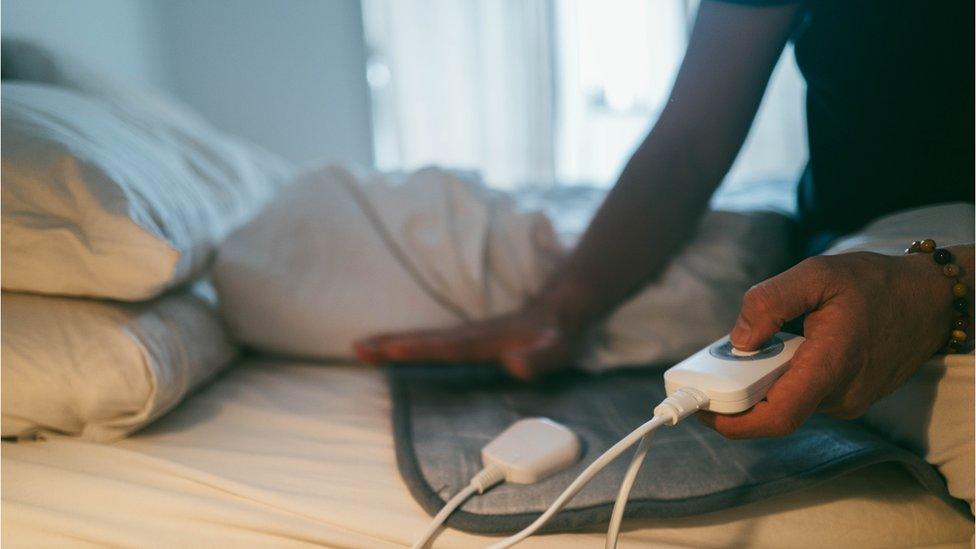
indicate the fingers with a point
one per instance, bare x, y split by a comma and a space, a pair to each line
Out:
473, 343
773, 302
790, 401
547, 354
524, 355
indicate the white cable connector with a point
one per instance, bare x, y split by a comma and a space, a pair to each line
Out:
487, 478
527, 452
681, 404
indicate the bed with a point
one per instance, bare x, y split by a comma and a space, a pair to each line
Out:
287, 453
279, 452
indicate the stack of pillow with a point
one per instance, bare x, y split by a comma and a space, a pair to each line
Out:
112, 207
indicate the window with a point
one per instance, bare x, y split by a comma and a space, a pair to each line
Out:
546, 92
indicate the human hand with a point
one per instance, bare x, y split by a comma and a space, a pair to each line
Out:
871, 321
528, 343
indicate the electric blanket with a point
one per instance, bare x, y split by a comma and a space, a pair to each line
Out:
444, 415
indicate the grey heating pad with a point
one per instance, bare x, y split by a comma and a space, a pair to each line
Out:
444, 415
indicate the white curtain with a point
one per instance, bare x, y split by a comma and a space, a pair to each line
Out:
544, 91
467, 84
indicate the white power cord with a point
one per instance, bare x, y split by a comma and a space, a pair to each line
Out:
485, 479
681, 404
617, 517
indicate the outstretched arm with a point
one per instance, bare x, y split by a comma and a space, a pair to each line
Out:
666, 185
649, 214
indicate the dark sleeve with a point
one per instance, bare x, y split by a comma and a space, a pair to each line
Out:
760, 2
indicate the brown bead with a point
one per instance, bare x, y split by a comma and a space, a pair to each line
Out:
959, 289
927, 245
950, 269
961, 323
959, 334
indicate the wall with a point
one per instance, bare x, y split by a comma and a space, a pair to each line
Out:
121, 38
290, 74
286, 74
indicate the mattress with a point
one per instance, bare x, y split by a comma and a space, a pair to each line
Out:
284, 453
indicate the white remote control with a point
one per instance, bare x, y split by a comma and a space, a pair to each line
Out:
733, 380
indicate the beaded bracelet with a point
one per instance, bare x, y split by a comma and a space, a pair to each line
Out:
943, 257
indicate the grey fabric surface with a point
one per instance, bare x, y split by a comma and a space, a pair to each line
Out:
444, 415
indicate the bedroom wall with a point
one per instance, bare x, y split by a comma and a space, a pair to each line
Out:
121, 38
288, 74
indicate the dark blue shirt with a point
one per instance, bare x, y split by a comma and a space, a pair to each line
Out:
890, 94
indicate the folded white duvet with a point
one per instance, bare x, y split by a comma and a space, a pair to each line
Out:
342, 255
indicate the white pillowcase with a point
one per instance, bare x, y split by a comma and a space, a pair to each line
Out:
117, 199
932, 414
101, 370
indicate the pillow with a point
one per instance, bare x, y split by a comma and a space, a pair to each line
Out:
101, 370
932, 414
117, 199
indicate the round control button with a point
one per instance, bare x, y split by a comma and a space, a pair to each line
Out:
740, 352
726, 351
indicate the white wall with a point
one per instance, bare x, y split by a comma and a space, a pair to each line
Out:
286, 74
289, 74
121, 38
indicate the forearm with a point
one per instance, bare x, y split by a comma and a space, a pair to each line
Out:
647, 217
657, 201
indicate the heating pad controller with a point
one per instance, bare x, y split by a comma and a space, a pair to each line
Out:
733, 380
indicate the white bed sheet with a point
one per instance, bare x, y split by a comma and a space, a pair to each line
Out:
278, 453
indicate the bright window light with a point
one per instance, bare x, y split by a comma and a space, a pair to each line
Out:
545, 92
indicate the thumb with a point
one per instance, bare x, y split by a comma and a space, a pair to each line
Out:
775, 301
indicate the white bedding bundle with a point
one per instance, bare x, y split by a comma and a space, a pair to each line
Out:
338, 256
342, 255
